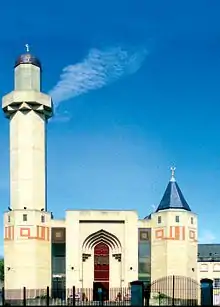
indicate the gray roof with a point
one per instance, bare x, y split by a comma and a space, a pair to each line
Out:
208, 252
173, 198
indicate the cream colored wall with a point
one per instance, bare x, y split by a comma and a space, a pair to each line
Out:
76, 233
27, 161
27, 77
144, 223
169, 255
209, 270
27, 254
58, 223
27, 150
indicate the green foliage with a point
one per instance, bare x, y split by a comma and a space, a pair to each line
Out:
160, 296
2, 269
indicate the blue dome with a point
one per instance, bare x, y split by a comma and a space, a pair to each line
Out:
173, 198
27, 58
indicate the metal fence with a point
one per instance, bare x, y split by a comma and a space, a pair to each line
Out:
174, 291
170, 290
71, 297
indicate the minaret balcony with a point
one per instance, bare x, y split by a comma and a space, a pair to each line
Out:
27, 101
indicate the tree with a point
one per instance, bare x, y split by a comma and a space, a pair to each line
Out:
2, 269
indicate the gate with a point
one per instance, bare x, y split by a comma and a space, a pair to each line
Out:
174, 291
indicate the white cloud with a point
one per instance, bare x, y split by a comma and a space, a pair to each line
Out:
154, 207
207, 237
98, 69
61, 117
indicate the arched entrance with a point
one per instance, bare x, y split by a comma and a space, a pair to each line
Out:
101, 272
206, 292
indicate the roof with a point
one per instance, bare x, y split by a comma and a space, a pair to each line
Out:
148, 217
173, 197
208, 252
27, 58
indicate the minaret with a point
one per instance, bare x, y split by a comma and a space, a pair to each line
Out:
174, 236
27, 223
28, 110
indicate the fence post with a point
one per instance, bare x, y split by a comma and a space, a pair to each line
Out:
3, 296
24, 296
74, 296
173, 294
48, 297
147, 296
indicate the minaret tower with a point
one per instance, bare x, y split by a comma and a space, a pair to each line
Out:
27, 223
174, 238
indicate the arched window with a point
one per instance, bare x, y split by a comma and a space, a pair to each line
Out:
216, 267
204, 267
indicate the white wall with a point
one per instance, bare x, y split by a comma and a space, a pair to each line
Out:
76, 233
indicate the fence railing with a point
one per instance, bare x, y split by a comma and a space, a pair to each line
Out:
72, 297
169, 290
175, 291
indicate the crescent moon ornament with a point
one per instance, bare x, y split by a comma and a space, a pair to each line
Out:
27, 48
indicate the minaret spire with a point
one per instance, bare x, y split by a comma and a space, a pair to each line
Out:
172, 179
173, 197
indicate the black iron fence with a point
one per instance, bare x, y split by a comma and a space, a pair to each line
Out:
170, 290
175, 291
71, 297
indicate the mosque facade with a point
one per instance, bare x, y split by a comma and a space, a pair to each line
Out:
89, 248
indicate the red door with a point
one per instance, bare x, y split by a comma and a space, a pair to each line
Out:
101, 271
101, 262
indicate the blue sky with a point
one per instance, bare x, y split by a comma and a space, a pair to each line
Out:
136, 90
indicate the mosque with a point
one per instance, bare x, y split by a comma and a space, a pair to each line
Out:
89, 248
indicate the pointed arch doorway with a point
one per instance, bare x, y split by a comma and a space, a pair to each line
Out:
101, 272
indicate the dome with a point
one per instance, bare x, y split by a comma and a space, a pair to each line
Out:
27, 58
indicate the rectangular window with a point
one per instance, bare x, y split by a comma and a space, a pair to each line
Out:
24, 217
144, 266
144, 249
177, 219
191, 220
9, 219
159, 219
216, 283
58, 265
42, 219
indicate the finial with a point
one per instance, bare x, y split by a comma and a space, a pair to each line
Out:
172, 173
27, 48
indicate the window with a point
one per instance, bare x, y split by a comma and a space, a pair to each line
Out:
204, 267
42, 219
9, 219
177, 219
144, 250
24, 217
58, 265
216, 267
144, 234
144, 266
216, 283
159, 219
191, 220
